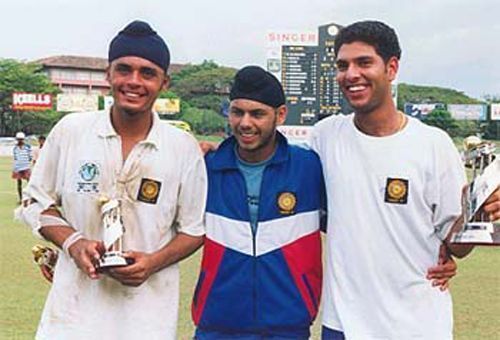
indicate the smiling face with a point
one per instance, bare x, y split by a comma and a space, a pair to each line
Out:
254, 127
364, 78
135, 83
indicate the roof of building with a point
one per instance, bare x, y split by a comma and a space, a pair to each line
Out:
86, 63
70, 61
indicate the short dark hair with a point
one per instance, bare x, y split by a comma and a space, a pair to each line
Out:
375, 33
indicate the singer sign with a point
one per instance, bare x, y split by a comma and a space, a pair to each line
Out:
22, 101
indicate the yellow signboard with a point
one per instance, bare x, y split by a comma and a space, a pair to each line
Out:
167, 106
77, 102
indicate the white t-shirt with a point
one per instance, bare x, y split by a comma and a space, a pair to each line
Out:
162, 185
391, 202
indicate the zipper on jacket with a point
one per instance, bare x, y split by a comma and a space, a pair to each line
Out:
254, 249
254, 241
254, 259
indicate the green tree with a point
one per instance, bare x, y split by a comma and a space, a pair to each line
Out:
203, 121
455, 128
169, 94
16, 76
209, 101
443, 120
203, 86
188, 70
467, 128
40, 122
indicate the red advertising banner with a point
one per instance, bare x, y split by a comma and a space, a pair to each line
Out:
22, 101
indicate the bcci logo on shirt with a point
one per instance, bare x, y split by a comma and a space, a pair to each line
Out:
149, 191
287, 202
89, 174
396, 191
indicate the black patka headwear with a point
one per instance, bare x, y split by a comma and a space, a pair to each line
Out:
140, 40
254, 83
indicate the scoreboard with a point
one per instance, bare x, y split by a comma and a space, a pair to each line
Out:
299, 80
329, 92
308, 78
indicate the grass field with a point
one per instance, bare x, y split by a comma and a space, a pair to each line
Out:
476, 289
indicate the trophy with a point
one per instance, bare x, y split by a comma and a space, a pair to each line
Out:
112, 229
45, 257
480, 157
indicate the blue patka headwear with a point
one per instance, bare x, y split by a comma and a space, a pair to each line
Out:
254, 83
140, 40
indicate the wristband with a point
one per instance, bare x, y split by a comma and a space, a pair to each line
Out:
72, 239
49, 220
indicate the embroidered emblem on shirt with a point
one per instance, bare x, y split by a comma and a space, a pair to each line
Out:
88, 171
396, 191
287, 202
89, 174
149, 191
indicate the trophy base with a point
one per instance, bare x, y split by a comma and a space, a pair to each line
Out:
478, 233
113, 259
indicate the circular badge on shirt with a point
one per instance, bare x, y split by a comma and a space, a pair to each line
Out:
396, 189
149, 189
287, 202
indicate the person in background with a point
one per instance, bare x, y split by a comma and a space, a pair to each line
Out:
36, 152
22, 158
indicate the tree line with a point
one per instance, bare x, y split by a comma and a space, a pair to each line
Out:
441, 117
202, 88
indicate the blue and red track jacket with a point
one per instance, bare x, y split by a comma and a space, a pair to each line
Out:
267, 282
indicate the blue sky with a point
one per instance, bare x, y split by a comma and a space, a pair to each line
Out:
449, 43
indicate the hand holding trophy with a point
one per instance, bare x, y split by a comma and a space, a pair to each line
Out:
113, 230
480, 157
